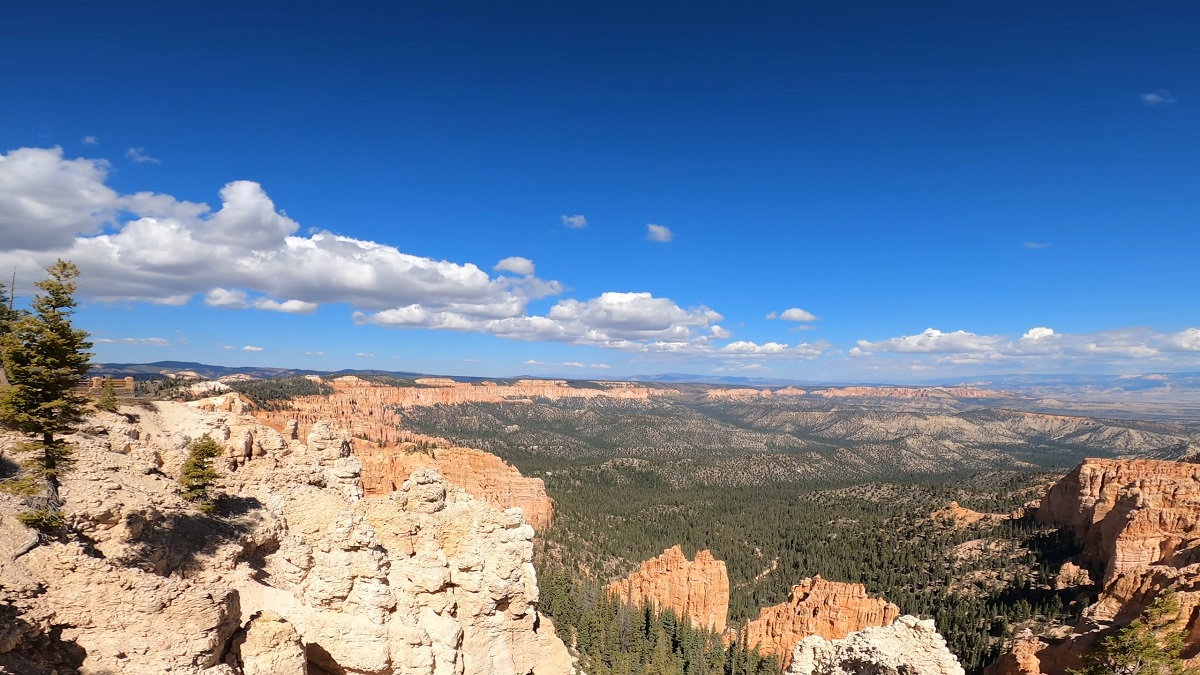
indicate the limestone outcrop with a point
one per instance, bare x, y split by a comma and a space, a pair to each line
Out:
750, 393
297, 572
960, 516
696, 589
1138, 522
826, 609
480, 473
906, 647
366, 408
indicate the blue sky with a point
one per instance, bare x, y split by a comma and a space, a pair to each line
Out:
938, 189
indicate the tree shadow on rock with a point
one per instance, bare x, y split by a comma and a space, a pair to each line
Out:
8, 468
166, 543
34, 650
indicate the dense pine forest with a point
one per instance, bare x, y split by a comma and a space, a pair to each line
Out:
614, 637
980, 583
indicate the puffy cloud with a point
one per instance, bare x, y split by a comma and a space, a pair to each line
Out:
287, 306
659, 233
516, 265
91, 140
576, 222
139, 156
793, 314
251, 348
1184, 341
46, 200
1158, 97
634, 316
934, 341
618, 320
244, 255
223, 297
1041, 344
772, 349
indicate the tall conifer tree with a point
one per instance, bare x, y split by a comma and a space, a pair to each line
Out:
45, 358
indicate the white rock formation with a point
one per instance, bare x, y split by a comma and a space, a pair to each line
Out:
299, 573
907, 647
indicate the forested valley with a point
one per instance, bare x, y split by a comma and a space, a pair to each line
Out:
980, 583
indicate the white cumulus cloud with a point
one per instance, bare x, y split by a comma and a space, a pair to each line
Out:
934, 341
576, 222
793, 314
244, 255
46, 200
516, 265
1043, 345
659, 233
251, 348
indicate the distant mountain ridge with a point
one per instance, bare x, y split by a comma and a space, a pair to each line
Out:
1183, 384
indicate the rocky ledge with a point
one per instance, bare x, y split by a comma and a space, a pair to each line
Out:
296, 573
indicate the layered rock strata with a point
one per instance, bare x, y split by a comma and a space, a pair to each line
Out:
750, 393
480, 473
1138, 522
826, 609
426, 579
906, 647
366, 408
696, 589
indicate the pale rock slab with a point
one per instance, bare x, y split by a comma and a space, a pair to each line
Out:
908, 646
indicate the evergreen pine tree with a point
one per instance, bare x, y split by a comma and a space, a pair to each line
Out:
44, 357
198, 475
1151, 645
108, 397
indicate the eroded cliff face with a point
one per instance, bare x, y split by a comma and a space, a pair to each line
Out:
299, 571
1139, 525
366, 411
480, 473
696, 589
750, 393
827, 609
366, 408
906, 647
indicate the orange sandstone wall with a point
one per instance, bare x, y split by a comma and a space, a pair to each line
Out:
830, 609
696, 589
1139, 523
480, 473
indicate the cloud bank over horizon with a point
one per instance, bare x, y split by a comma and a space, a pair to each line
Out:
248, 255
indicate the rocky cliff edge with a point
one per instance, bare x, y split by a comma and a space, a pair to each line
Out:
296, 572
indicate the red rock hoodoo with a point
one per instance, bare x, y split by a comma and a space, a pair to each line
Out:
698, 590
829, 609
1139, 524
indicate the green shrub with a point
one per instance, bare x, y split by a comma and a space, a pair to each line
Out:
108, 397
43, 520
198, 475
